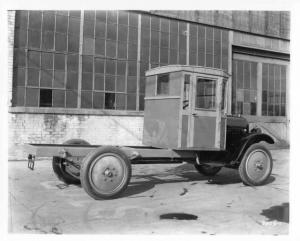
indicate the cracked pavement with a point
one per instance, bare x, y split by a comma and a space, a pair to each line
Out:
40, 203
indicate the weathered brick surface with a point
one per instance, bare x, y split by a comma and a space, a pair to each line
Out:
55, 129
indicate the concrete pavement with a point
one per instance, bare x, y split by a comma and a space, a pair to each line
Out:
40, 203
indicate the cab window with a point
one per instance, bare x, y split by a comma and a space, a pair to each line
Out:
206, 94
162, 84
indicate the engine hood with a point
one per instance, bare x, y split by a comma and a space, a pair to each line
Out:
236, 122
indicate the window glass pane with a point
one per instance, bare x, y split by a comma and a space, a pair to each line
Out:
142, 85
48, 22
99, 65
173, 56
45, 98
100, 46
20, 38
71, 99
18, 96
21, 19
154, 38
33, 59
34, 39
145, 37
123, 17
253, 76
164, 40
182, 57
120, 84
87, 81
87, 63
164, 55
122, 50
133, 35
133, 19
75, 14
74, 26
35, 20
89, 15
131, 85
111, 49
33, 77
59, 61
58, 98
98, 100
154, 54
73, 43
164, 25
19, 57
48, 41
247, 75
131, 68
193, 58
47, 60
99, 82
32, 97
100, 29
265, 76
59, 79
121, 67
112, 31
61, 24
145, 21
120, 101
60, 42
109, 100
122, 33
112, 16
72, 62
101, 15
206, 93
182, 42
46, 78
163, 84
88, 46
86, 99
19, 77
145, 53
131, 102
88, 29
72, 80
155, 23
109, 82
110, 66
132, 51
142, 102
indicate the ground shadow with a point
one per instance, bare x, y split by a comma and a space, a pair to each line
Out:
279, 213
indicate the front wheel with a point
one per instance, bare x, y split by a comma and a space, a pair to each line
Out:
207, 170
105, 172
256, 165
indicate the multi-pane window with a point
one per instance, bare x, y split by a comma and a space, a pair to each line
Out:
273, 89
46, 59
206, 94
90, 59
244, 87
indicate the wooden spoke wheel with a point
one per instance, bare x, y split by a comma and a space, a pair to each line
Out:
256, 165
105, 173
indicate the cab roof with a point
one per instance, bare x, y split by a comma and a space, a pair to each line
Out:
186, 68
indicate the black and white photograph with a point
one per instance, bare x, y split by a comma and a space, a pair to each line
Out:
148, 121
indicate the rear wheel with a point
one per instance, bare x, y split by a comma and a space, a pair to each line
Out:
256, 165
64, 171
207, 170
105, 173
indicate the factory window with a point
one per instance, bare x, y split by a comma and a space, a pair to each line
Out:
244, 87
273, 89
90, 59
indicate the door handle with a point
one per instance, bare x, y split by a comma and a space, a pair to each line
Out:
194, 114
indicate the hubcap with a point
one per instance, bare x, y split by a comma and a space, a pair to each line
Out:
107, 173
258, 165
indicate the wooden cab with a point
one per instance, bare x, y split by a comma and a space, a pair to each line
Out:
185, 108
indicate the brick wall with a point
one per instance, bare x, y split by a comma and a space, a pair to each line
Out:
55, 129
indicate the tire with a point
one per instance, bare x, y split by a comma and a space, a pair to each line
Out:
207, 170
105, 172
256, 165
61, 170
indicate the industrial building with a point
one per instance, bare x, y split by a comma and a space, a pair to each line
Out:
81, 74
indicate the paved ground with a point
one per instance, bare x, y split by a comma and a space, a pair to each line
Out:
39, 203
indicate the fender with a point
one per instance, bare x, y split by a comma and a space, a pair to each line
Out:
248, 141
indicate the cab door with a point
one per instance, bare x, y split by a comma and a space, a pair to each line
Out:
207, 119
